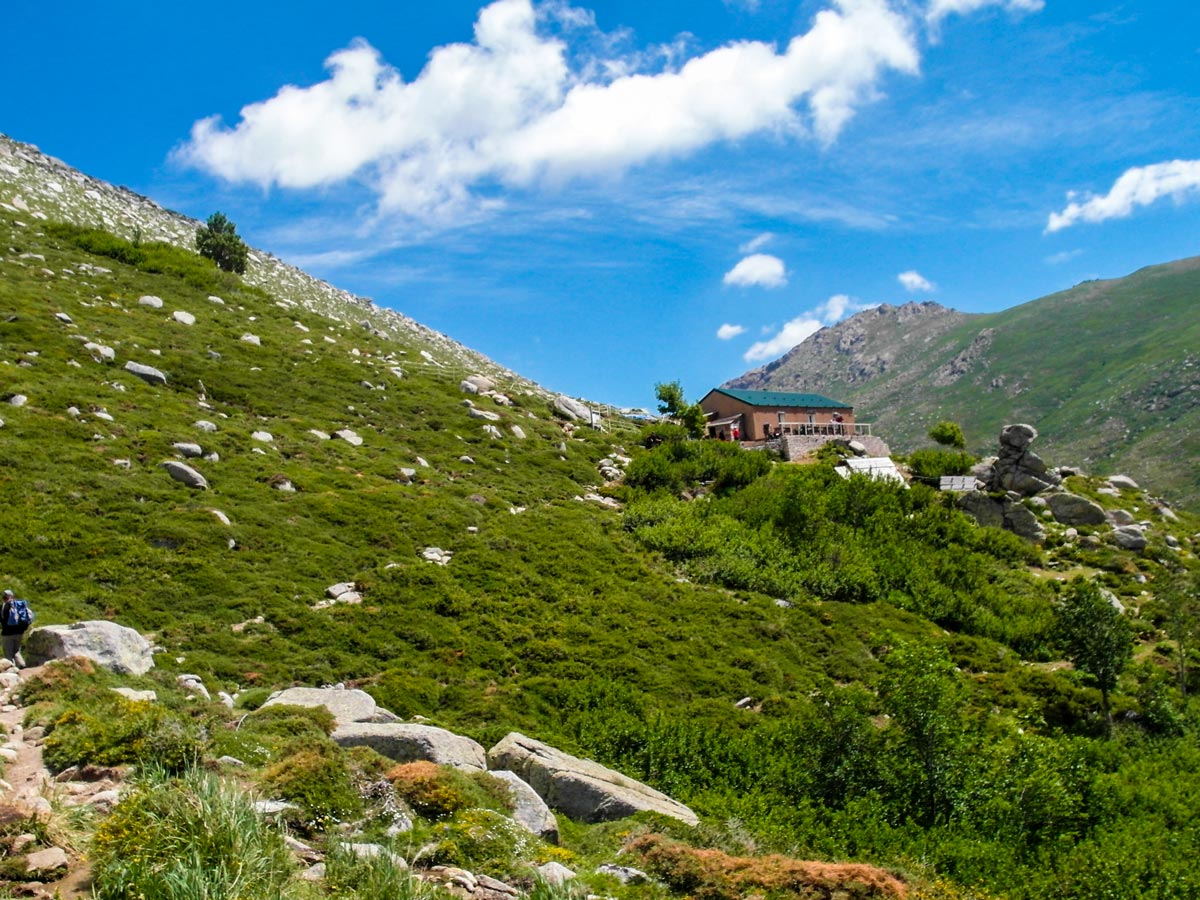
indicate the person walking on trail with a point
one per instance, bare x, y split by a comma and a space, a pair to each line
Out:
15, 619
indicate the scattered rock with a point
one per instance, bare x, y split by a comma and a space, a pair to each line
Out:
183, 318
251, 339
1071, 509
262, 436
185, 474
188, 450
1123, 482
623, 874
437, 555
555, 874
1120, 517
572, 409
148, 374
42, 865
193, 685
150, 301
1129, 537
137, 696
349, 437
205, 425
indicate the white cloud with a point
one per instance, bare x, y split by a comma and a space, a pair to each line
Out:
728, 332
1057, 259
939, 9
914, 281
1139, 186
508, 110
758, 269
794, 332
755, 244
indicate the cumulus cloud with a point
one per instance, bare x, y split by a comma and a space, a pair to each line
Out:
758, 269
1139, 186
515, 107
914, 281
939, 9
728, 332
794, 332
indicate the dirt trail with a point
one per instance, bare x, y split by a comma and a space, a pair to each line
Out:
27, 785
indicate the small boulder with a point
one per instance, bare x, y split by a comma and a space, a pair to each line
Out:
1123, 482
150, 301
185, 474
349, 437
43, 865
1129, 537
251, 339
183, 318
1071, 509
148, 374
188, 450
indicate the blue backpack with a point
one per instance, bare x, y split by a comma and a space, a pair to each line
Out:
19, 614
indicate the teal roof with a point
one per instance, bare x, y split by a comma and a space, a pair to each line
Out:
782, 398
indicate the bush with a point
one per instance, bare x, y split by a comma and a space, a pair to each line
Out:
218, 240
116, 731
933, 464
437, 792
312, 773
285, 720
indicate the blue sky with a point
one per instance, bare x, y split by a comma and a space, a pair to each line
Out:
603, 196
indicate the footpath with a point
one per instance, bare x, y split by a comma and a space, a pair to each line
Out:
33, 804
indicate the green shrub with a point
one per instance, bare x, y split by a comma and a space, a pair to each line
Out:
933, 464
287, 721
487, 841
115, 731
437, 792
313, 773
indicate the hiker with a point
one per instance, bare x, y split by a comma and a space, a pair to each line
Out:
15, 619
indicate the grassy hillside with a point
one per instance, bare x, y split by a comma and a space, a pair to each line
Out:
824, 668
1108, 372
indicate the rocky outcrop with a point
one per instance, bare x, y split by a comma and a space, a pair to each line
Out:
108, 644
572, 409
1002, 512
1018, 468
405, 742
580, 788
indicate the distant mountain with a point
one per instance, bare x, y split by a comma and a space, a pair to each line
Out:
1108, 371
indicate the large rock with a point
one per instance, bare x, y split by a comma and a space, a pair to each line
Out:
530, 810
148, 374
185, 474
346, 706
572, 409
1071, 509
582, 789
108, 644
406, 742
1129, 537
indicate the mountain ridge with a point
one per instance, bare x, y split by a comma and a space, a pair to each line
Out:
1106, 371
